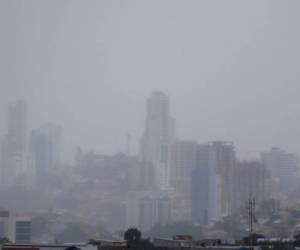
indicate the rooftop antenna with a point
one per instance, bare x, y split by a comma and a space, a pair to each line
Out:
251, 210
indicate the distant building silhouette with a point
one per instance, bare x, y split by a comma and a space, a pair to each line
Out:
212, 183
45, 145
154, 211
183, 161
16, 162
158, 137
222, 162
200, 185
283, 167
146, 210
251, 178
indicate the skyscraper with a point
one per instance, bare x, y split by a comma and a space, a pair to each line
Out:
45, 145
15, 161
147, 209
213, 182
283, 167
154, 211
221, 184
158, 137
200, 185
251, 178
17, 125
183, 161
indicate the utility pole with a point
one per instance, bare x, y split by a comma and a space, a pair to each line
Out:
251, 210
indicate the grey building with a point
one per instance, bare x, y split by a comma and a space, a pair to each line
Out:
154, 211
213, 182
15, 160
159, 134
222, 162
200, 185
45, 145
283, 167
251, 178
15, 229
183, 161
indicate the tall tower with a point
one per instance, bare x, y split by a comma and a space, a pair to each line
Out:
251, 178
283, 167
222, 163
213, 181
158, 136
183, 161
17, 125
200, 185
45, 145
14, 159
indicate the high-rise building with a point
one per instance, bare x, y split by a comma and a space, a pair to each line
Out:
17, 125
221, 173
132, 209
158, 137
252, 178
15, 160
213, 182
154, 211
283, 167
183, 161
200, 185
147, 176
146, 210
45, 145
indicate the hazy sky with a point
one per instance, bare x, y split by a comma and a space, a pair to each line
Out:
231, 69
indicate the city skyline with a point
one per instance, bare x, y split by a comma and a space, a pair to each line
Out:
132, 144
163, 116
228, 73
170, 181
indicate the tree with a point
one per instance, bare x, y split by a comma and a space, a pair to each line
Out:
132, 235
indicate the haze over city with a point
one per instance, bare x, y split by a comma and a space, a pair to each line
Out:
230, 69
149, 124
